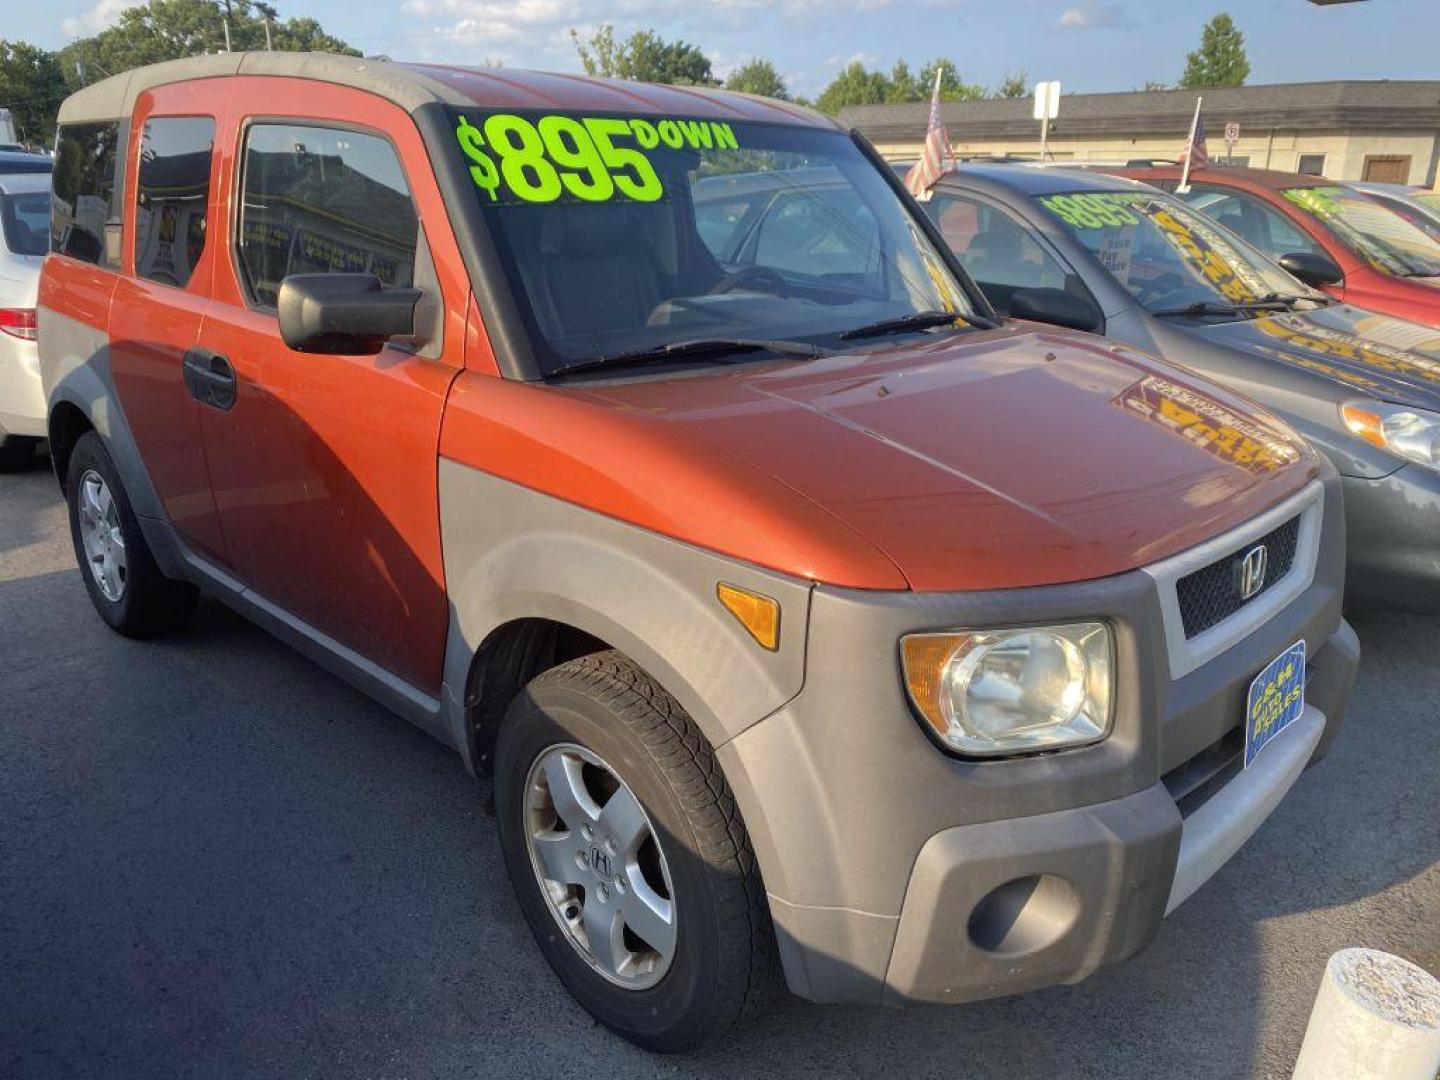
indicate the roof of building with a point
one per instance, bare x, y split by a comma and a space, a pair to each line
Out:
1373, 105
412, 85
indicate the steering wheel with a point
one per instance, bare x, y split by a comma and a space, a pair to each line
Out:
749, 278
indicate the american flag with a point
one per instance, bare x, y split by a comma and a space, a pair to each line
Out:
1195, 149
936, 157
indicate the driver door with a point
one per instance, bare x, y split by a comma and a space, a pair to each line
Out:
325, 467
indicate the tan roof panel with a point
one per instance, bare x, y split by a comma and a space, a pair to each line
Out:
413, 85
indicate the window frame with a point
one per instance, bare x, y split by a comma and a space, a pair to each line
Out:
118, 196
1300, 164
133, 198
235, 217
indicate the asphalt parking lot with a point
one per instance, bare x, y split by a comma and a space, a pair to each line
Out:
218, 860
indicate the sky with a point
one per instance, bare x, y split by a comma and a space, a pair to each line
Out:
1089, 45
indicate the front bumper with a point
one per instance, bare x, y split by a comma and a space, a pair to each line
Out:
1391, 529
897, 873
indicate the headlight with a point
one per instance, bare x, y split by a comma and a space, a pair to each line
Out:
992, 692
1408, 433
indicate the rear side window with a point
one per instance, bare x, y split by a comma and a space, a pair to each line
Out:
171, 197
25, 221
84, 186
323, 200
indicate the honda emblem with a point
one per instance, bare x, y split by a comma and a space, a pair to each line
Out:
1252, 571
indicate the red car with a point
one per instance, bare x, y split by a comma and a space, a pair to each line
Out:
1324, 233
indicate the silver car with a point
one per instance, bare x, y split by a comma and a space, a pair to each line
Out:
24, 240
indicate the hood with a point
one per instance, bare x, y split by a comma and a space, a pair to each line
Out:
1377, 355
993, 460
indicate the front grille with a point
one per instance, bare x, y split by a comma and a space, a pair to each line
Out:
1212, 594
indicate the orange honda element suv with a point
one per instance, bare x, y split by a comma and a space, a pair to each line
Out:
648, 446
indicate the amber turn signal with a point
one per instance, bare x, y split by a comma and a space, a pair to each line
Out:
925, 657
758, 614
1365, 423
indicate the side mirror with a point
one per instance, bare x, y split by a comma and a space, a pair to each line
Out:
343, 314
1312, 268
1056, 306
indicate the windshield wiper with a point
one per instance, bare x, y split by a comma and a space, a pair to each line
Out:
703, 349
1290, 299
1205, 307
918, 320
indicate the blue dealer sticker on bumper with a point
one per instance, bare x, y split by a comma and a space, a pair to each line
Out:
1276, 700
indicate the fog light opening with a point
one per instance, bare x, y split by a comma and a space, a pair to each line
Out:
1024, 915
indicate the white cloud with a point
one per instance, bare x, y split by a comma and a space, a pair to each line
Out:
103, 14
1092, 14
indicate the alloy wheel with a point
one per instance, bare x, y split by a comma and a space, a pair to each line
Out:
600, 866
101, 535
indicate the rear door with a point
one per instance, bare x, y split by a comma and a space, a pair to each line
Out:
325, 467
168, 261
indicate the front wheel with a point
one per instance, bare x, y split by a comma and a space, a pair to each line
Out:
629, 858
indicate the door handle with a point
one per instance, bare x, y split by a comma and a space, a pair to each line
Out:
209, 378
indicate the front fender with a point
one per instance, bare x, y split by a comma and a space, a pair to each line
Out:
514, 553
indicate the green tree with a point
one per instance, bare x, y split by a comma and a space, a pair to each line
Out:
32, 85
758, 76
644, 56
952, 87
1014, 85
172, 29
853, 86
1220, 60
903, 85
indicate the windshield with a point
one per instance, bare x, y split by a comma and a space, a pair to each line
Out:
625, 234
25, 222
1428, 199
1166, 254
1378, 235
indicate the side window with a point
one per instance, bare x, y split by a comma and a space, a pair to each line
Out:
1251, 219
1000, 253
719, 221
819, 234
171, 195
323, 200
84, 190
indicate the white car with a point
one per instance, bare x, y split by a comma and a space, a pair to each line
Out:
24, 240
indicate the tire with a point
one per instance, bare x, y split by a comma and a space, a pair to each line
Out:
721, 970
17, 453
146, 603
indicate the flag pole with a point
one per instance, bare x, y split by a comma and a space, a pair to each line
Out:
934, 100
1190, 150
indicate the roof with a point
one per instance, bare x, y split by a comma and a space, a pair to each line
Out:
20, 161
1029, 180
1387, 189
15, 183
1372, 105
1268, 179
413, 85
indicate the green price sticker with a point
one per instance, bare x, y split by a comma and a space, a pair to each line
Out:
586, 158
1093, 211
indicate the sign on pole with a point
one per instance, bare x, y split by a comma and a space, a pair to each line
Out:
1047, 107
1232, 136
